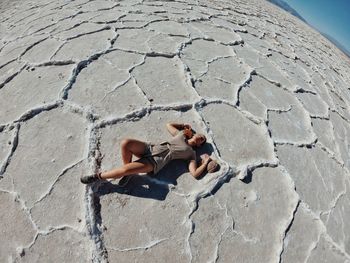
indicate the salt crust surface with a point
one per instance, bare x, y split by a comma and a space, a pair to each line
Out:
270, 93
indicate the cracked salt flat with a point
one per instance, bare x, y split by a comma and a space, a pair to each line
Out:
336, 225
18, 47
244, 142
321, 89
204, 50
325, 133
72, 30
199, 53
14, 235
226, 23
167, 45
114, 83
249, 103
323, 174
9, 71
55, 240
262, 65
36, 54
339, 104
293, 125
63, 204
273, 97
68, 134
218, 34
34, 86
84, 46
341, 136
227, 75
166, 84
298, 246
269, 93
313, 104
154, 214
241, 238
134, 39
325, 252
8, 141
169, 28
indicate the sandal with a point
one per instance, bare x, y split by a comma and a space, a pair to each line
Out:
88, 179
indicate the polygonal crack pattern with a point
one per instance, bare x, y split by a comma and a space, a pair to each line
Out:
34, 87
298, 246
240, 141
13, 235
270, 94
37, 170
60, 244
163, 81
114, 83
324, 174
235, 207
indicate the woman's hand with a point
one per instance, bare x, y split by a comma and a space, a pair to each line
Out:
198, 171
205, 158
174, 128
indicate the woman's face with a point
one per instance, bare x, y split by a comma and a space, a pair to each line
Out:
199, 139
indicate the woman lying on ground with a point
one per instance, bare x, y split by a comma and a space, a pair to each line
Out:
153, 157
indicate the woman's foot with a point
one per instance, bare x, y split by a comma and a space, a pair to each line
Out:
88, 179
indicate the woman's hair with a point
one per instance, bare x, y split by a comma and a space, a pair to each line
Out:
202, 136
189, 133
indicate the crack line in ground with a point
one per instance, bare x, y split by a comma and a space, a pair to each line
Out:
88, 33
51, 187
35, 111
14, 144
11, 77
92, 200
146, 247
287, 231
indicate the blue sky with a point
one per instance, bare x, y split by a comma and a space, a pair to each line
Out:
329, 16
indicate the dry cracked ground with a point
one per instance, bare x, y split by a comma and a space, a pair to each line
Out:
271, 94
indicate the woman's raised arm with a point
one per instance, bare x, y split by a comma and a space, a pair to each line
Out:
195, 171
174, 128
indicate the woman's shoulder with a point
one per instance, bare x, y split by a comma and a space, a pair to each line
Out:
179, 137
180, 134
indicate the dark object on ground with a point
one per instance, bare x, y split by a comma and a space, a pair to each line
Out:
88, 179
213, 166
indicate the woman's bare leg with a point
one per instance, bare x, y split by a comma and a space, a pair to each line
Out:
128, 169
131, 147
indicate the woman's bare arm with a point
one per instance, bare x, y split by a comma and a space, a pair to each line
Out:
195, 171
174, 128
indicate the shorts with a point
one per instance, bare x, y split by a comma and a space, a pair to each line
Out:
157, 161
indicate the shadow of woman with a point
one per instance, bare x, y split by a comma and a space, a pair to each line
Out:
147, 186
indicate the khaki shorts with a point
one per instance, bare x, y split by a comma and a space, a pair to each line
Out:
148, 158
157, 161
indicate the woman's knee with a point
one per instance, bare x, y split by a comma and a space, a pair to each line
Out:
136, 147
125, 143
